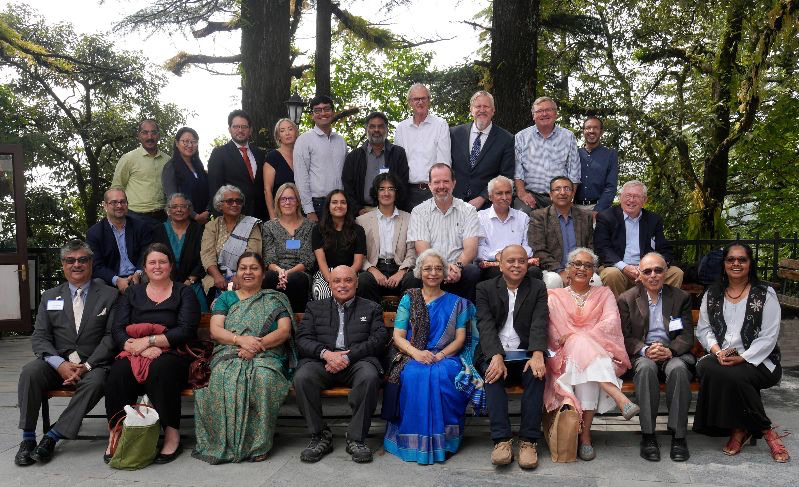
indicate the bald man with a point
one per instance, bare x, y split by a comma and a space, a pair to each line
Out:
339, 341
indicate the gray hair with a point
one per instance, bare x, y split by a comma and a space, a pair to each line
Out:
431, 252
653, 254
499, 179
276, 131
280, 190
75, 246
220, 193
179, 195
633, 183
113, 188
481, 93
415, 86
542, 99
583, 250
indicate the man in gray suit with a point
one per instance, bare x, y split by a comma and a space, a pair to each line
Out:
73, 346
659, 334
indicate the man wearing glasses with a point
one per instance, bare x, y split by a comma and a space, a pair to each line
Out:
626, 232
138, 172
237, 163
426, 140
543, 151
319, 158
117, 242
658, 334
72, 346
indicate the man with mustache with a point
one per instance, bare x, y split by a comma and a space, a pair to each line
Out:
375, 156
599, 170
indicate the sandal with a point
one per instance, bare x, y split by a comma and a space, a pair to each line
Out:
774, 441
736, 442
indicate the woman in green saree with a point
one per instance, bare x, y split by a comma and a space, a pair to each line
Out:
235, 415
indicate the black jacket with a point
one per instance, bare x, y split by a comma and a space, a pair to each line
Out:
190, 263
226, 166
353, 174
365, 334
496, 157
530, 316
101, 240
610, 235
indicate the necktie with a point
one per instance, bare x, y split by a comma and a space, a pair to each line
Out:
475, 149
247, 162
77, 308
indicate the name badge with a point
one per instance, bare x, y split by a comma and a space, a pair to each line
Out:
675, 324
363, 319
293, 244
383, 170
55, 304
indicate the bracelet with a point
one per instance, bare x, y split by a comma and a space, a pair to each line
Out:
234, 338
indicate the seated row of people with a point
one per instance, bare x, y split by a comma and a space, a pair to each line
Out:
568, 346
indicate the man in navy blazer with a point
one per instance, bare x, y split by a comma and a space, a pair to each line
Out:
241, 164
624, 234
117, 242
481, 151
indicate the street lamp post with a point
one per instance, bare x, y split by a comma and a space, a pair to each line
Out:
295, 105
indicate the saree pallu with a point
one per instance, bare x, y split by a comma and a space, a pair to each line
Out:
236, 415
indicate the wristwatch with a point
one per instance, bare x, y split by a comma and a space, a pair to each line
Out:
459, 264
87, 366
151, 340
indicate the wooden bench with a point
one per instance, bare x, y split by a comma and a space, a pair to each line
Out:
789, 271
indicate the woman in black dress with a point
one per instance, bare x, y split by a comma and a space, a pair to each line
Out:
164, 302
184, 173
279, 166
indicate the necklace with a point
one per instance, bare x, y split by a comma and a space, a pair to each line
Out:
579, 299
739, 294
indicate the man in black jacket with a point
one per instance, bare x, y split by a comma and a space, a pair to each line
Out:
374, 157
512, 316
339, 340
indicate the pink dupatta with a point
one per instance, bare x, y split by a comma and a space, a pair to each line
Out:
596, 333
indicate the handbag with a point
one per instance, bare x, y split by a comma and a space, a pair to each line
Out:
134, 438
199, 351
561, 429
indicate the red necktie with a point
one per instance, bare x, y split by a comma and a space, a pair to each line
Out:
247, 162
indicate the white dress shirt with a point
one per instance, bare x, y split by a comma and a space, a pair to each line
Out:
425, 144
385, 225
483, 136
507, 335
499, 234
253, 164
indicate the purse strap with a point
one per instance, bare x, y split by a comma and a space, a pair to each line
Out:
118, 420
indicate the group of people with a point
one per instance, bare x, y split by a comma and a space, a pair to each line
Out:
511, 262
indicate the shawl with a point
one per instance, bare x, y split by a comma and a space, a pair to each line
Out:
235, 245
419, 323
141, 365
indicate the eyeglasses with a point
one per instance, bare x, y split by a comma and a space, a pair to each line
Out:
178, 206
582, 265
239, 127
419, 99
287, 199
117, 202
386, 189
628, 196
432, 270
322, 110
562, 189
233, 201
656, 270
544, 110
188, 143
71, 260
733, 260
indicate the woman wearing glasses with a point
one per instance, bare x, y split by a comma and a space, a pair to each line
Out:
184, 173
739, 322
225, 239
435, 333
288, 254
589, 355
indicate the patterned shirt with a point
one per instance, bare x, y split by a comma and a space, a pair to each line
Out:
445, 232
539, 158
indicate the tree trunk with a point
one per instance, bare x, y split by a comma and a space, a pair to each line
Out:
265, 43
514, 61
322, 59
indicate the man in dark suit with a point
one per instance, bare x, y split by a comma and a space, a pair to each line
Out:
117, 242
339, 342
625, 233
557, 230
480, 152
237, 163
72, 343
659, 334
512, 316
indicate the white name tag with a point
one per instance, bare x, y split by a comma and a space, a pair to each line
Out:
383, 170
675, 324
55, 304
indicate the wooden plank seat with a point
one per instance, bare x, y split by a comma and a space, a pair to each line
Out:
788, 270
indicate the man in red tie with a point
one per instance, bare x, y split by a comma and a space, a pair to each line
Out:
239, 163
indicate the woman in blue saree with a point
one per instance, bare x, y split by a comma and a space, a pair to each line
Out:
435, 333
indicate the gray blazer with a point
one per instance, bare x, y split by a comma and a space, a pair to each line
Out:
54, 331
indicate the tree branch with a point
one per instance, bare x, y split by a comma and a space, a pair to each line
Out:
180, 61
476, 25
212, 27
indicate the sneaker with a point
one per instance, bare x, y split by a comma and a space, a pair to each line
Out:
528, 456
44, 450
23, 456
359, 451
321, 444
502, 454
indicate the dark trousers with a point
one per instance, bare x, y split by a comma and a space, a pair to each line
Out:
37, 377
319, 206
166, 378
151, 218
534, 272
362, 377
416, 195
298, 284
368, 288
542, 200
532, 401
677, 373
466, 287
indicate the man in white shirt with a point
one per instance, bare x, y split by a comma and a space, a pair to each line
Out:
502, 226
425, 138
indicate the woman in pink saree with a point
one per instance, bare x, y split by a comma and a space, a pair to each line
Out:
589, 354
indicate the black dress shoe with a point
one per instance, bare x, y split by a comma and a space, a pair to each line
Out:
650, 450
679, 450
162, 458
23, 457
44, 450
107, 458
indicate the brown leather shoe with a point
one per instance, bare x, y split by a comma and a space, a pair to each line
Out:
503, 453
528, 456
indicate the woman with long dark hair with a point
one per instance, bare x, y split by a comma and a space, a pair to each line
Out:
739, 323
337, 240
184, 173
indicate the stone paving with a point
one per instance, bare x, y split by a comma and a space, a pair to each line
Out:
78, 463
